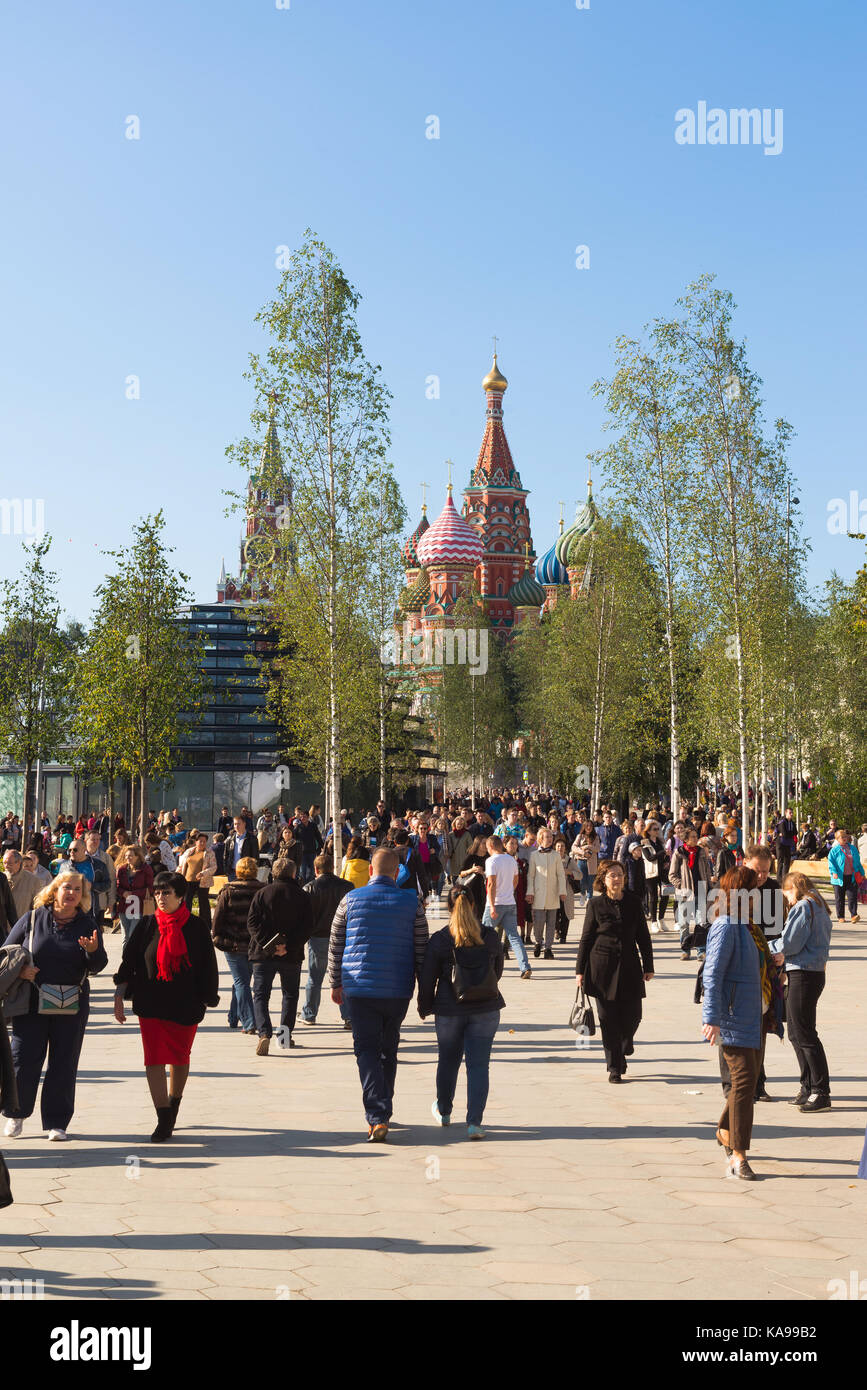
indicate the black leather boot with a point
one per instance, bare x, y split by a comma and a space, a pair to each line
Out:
165, 1124
174, 1106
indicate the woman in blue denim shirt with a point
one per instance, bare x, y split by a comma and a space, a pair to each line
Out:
804, 948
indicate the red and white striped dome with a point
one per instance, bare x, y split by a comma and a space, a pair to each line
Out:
449, 541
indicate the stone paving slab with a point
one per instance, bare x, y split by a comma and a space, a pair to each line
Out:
581, 1191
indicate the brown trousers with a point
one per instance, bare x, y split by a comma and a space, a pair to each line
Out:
737, 1117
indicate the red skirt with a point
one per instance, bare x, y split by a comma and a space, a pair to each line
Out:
165, 1042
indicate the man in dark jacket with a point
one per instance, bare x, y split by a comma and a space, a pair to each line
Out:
787, 842
8, 913
241, 844
378, 940
609, 834
279, 923
325, 892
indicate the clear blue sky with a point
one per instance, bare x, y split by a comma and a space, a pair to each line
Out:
557, 128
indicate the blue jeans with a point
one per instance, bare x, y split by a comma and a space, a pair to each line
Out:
241, 1002
376, 1038
507, 918
468, 1036
586, 880
129, 925
317, 964
308, 873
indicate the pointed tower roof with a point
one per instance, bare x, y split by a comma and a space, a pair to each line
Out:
269, 474
494, 466
450, 540
410, 553
222, 579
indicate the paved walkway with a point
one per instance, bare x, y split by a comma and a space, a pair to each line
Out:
581, 1190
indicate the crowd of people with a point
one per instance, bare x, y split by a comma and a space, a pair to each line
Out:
517, 868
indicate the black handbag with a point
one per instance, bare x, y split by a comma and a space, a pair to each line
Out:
581, 1018
474, 984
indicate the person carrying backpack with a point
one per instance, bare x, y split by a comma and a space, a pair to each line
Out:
459, 986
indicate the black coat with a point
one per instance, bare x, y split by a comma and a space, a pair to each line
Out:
229, 927
608, 952
325, 892
249, 850
182, 999
281, 909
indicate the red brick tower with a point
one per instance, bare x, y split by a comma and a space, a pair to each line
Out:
495, 504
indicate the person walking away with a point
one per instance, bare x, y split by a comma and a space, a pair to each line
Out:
376, 950
615, 961
501, 880
230, 935
279, 922
169, 973
803, 949
310, 838
546, 892
462, 965
65, 948
732, 1014
198, 865
325, 893
844, 867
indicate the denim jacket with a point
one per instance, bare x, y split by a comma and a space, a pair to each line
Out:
732, 984
806, 938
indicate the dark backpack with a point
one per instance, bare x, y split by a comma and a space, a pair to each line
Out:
474, 980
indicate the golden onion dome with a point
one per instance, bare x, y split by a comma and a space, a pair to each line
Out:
494, 381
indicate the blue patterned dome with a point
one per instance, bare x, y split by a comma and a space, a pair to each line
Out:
548, 568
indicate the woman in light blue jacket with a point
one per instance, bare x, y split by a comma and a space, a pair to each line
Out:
804, 948
732, 1012
844, 863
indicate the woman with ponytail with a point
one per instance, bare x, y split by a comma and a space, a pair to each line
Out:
169, 971
459, 986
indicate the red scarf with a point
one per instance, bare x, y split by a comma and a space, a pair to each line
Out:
691, 856
172, 946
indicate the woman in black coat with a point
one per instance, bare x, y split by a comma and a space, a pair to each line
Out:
169, 970
609, 965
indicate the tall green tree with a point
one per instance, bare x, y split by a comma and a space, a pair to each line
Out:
345, 512
142, 680
37, 668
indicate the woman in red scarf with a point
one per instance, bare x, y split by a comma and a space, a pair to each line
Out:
169, 970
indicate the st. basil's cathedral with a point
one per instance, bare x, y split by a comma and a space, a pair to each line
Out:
485, 552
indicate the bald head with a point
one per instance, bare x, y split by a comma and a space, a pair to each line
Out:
385, 863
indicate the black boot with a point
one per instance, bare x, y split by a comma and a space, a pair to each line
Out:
174, 1106
165, 1124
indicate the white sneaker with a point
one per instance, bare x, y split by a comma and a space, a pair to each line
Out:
654, 928
12, 1129
58, 1136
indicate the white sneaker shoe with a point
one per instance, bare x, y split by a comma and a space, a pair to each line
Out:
58, 1136
12, 1129
654, 928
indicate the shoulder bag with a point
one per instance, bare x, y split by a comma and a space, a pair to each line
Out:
581, 1017
56, 999
474, 984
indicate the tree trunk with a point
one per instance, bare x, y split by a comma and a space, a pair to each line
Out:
25, 812
143, 797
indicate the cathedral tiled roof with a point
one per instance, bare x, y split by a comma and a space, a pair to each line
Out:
449, 540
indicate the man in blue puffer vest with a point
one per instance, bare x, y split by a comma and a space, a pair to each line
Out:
375, 953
